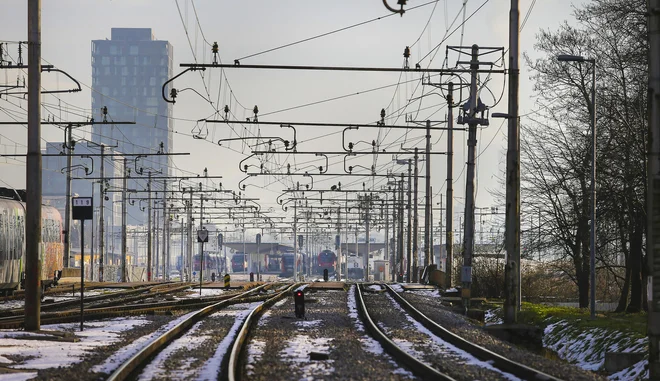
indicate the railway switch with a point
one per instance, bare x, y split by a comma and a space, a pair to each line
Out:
299, 302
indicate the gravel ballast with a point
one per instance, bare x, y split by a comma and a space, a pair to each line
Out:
469, 330
280, 344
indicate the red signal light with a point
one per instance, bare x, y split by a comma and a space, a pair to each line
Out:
299, 293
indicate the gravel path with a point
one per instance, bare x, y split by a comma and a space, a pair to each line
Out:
426, 347
466, 328
280, 344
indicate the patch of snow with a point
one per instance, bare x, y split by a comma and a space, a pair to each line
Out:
397, 287
123, 354
18, 376
296, 352
374, 287
212, 366
255, 350
157, 368
638, 371
453, 289
308, 323
12, 304
266, 315
368, 343
428, 294
586, 348
52, 354
439, 345
194, 293
491, 317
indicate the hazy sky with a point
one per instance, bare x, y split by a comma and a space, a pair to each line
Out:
243, 28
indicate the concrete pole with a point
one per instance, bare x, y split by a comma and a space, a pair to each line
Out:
101, 215
183, 258
190, 238
449, 216
67, 207
401, 208
415, 235
387, 231
201, 224
156, 242
512, 215
428, 220
395, 224
366, 223
165, 238
339, 246
409, 240
123, 223
468, 243
33, 173
149, 253
295, 239
653, 211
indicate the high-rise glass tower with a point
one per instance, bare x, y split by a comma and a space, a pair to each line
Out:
128, 73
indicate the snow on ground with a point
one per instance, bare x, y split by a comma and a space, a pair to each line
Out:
368, 343
206, 292
397, 287
586, 347
45, 354
157, 369
491, 317
308, 323
63, 296
254, 352
119, 357
374, 287
18, 376
266, 315
428, 293
12, 304
212, 367
296, 352
439, 345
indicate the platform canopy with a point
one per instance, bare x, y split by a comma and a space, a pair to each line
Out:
264, 247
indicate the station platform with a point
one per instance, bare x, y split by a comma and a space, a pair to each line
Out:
327, 286
417, 287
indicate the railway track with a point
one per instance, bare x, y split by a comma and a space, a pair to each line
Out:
120, 307
424, 366
140, 360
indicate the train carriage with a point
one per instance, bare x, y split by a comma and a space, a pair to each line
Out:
326, 260
12, 244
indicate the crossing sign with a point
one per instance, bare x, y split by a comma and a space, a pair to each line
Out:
202, 235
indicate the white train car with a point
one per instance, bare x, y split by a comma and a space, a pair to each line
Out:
354, 267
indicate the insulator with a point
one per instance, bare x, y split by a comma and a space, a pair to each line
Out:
406, 52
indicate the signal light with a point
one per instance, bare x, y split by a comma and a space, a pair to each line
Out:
299, 303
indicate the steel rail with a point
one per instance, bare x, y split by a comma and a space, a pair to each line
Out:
128, 367
233, 373
98, 312
417, 367
499, 361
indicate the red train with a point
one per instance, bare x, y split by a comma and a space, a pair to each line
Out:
326, 259
12, 244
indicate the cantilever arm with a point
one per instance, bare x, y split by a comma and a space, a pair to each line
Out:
175, 77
